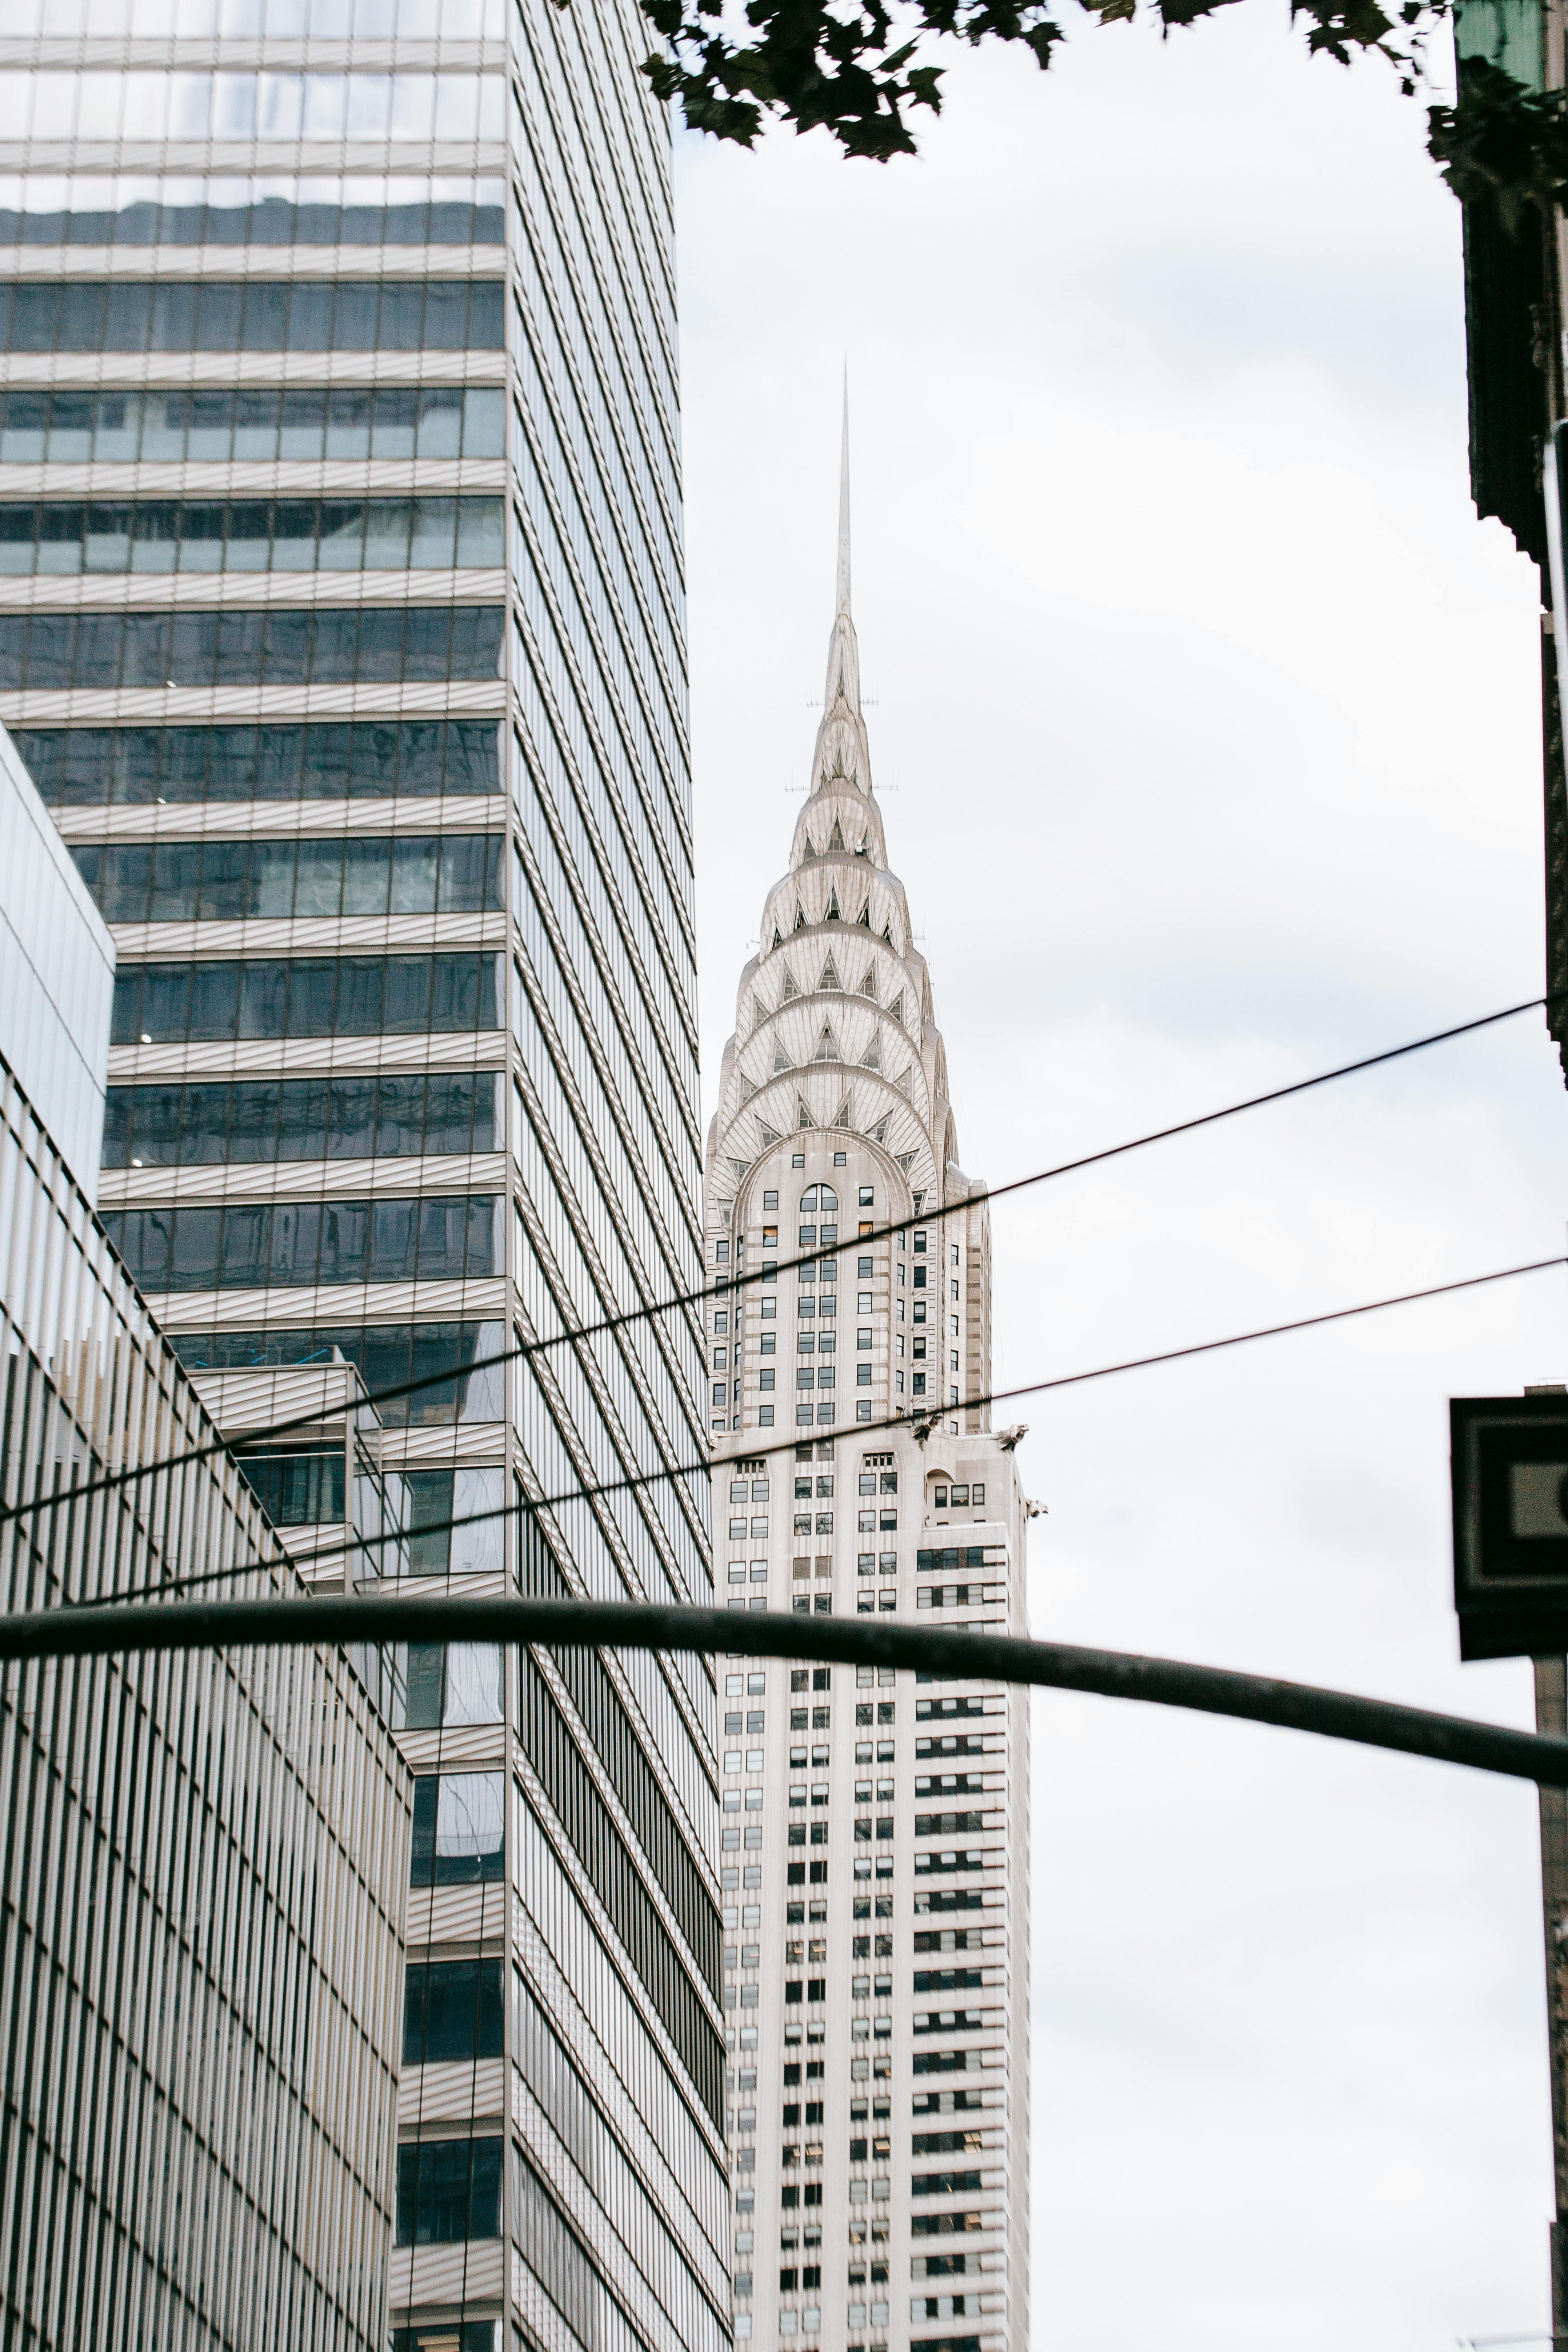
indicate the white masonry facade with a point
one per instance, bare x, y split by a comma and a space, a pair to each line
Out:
874, 1862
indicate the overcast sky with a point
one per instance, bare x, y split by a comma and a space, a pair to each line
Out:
1206, 715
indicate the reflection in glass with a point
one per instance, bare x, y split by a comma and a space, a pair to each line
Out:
459, 1822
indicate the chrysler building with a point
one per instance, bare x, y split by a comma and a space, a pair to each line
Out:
874, 1839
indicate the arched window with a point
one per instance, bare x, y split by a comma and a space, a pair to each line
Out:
819, 1194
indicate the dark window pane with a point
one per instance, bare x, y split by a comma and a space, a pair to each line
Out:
367, 871
426, 1685
354, 1133
458, 1828
217, 763
176, 307
224, 893
248, 1114
403, 310
476, 640
447, 2189
382, 655
215, 1001
415, 874
486, 315
408, 994
457, 1114
451, 2012
385, 1355
323, 763
245, 1261
117, 1127
38, 313
394, 1242
353, 327
244, 644
299, 1490
308, 999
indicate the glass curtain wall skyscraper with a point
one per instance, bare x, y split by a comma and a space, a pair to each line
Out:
342, 626
202, 1859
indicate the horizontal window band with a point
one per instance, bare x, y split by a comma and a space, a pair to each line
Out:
246, 763
263, 427
309, 1244
93, 593
251, 877
271, 221
252, 647
239, 314
264, 1121
150, 537
385, 1354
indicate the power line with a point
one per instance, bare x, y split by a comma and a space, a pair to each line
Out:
844, 1640
744, 1280
858, 1431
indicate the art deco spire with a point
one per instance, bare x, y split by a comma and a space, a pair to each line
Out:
834, 1026
843, 605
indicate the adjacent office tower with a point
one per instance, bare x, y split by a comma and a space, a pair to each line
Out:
202, 1859
874, 1854
340, 621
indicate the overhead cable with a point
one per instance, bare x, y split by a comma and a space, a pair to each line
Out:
743, 1279
923, 1423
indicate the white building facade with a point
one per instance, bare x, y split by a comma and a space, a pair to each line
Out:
342, 627
874, 1843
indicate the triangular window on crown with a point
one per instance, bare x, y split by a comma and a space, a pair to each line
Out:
897, 1008
809, 852
805, 1119
830, 975
868, 985
768, 1134
906, 1158
902, 1082
747, 1088
864, 917
844, 1118
871, 1059
836, 838
886, 932
879, 1133
791, 988
834, 911
781, 1059
827, 1045
777, 941
799, 917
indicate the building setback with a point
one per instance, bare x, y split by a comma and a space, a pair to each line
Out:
341, 624
203, 1858
873, 1858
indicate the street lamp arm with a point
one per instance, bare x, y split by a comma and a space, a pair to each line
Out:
379, 1617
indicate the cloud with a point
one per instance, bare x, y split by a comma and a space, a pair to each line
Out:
1207, 716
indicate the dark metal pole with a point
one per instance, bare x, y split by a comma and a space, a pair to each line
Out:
379, 1616
1552, 1722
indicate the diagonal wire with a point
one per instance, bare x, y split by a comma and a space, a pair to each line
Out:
922, 1424
740, 1280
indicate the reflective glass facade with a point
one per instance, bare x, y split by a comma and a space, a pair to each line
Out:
398, 868
201, 1868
